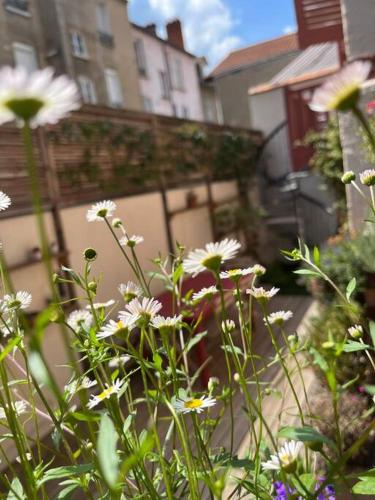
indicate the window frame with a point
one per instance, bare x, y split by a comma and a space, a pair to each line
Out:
87, 82
26, 49
104, 27
164, 84
75, 36
108, 74
140, 56
17, 10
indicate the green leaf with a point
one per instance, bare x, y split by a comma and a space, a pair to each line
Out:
316, 255
65, 494
107, 451
370, 389
39, 370
308, 481
147, 443
350, 288
18, 490
9, 347
319, 359
178, 272
195, 340
365, 487
307, 272
157, 361
305, 434
85, 416
65, 471
353, 346
230, 349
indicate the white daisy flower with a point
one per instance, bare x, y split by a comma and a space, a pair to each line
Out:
99, 211
5, 201
130, 291
142, 309
367, 177
160, 322
131, 241
279, 317
286, 458
261, 293
196, 405
211, 256
355, 331
37, 98
101, 305
228, 325
341, 91
119, 361
205, 293
106, 394
20, 300
258, 270
80, 320
78, 384
19, 407
236, 273
123, 326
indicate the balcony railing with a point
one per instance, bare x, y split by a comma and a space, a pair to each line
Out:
20, 5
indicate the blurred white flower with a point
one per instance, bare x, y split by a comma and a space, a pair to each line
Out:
131, 241
285, 458
166, 323
106, 394
355, 331
211, 256
20, 300
279, 317
101, 305
205, 293
367, 177
5, 201
119, 361
228, 325
261, 293
195, 405
124, 325
99, 211
19, 407
130, 291
80, 320
236, 273
341, 91
37, 98
258, 270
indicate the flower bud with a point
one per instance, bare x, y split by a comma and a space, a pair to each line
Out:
92, 286
212, 383
355, 331
116, 223
90, 254
236, 377
348, 177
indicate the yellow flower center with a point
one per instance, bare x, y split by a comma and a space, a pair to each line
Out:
106, 393
193, 403
284, 459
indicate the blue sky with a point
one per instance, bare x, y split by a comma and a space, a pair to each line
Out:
214, 27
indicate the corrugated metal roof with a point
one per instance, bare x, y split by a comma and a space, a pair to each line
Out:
316, 60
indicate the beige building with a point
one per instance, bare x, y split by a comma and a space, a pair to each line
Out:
90, 40
248, 67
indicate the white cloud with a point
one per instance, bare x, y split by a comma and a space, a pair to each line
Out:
208, 25
289, 29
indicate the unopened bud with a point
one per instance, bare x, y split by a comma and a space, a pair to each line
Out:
348, 177
90, 254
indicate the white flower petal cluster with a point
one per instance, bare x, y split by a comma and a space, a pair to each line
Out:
367, 177
118, 361
78, 384
236, 273
131, 241
5, 201
193, 405
13, 302
211, 256
101, 210
145, 308
261, 293
228, 325
124, 325
341, 91
38, 98
19, 407
130, 291
168, 322
355, 331
279, 317
80, 320
205, 293
285, 458
101, 305
106, 394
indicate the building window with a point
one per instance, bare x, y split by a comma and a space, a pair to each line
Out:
18, 6
147, 104
103, 22
79, 45
140, 56
177, 75
164, 84
25, 56
114, 88
87, 90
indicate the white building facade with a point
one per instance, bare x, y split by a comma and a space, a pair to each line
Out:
168, 74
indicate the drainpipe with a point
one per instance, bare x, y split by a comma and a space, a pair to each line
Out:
64, 38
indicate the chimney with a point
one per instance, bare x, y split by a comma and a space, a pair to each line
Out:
174, 32
151, 29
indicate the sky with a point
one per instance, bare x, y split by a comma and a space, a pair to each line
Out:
212, 28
